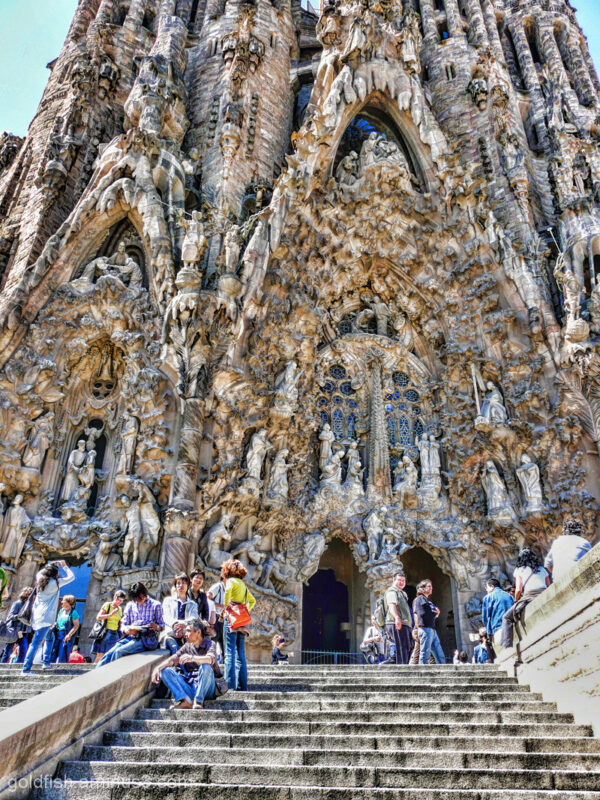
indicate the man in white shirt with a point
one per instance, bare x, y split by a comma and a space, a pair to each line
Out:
567, 549
373, 643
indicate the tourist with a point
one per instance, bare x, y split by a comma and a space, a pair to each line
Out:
76, 657
196, 594
22, 631
484, 652
178, 609
189, 674
531, 579
277, 656
142, 623
425, 614
567, 549
216, 593
112, 613
494, 606
416, 651
398, 620
373, 643
59, 641
233, 573
48, 583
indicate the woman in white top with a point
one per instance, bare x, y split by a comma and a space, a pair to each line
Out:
48, 584
531, 579
177, 610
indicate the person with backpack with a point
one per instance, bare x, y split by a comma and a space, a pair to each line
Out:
22, 631
111, 612
57, 647
48, 583
398, 619
373, 643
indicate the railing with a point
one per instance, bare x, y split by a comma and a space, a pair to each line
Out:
308, 6
331, 657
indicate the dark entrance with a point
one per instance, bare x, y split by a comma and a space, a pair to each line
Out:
325, 609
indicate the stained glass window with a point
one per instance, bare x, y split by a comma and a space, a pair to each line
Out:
403, 415
337, 404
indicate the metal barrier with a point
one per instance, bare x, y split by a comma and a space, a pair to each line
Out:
331, 657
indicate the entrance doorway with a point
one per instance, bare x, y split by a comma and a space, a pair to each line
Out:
335, 603
418, 565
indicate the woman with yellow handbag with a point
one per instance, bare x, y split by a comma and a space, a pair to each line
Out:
238, 604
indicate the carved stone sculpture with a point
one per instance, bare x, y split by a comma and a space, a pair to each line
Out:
373, 526
14, 532
528, 474
286, 389
259, 447
331, 477
405, 483
493, 410
327, 438
195, 242
75, 465
216, 542
313, 547
42, 438
129, 433
499, 506
277, 490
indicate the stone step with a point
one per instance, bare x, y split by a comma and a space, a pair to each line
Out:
448, 728
447, 759
383, 679
205, 738
349, 776
381, 688
398, 695
385, 718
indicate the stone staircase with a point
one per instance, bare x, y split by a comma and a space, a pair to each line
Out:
332, 733
14, 687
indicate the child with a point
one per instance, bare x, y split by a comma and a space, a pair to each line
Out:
277, 657
76, 657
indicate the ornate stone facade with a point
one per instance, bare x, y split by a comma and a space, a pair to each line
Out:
271, 279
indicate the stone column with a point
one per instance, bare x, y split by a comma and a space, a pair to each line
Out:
477, 28
591, 67
379, 482
135, 15
453, 18
552, 55
489, 18
530, 77
180, 544
581, 77
430, 31
188, 457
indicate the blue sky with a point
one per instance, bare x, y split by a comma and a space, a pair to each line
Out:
32, 32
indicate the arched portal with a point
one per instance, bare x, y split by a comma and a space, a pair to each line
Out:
335, 604
418, 565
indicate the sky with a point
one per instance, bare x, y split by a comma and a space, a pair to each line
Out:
32, 32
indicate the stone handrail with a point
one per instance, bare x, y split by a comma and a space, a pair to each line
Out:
42, 730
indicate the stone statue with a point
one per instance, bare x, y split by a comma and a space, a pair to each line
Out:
353, 456
119, 265
354, 480
313, 547
150, 521
232, 249
131, 527
277, 489
275, 573
373, 526
259, 446
286, 389
14, 533
252, 557
75, 464
405, 483
87, 473
43, 436
195, 242
216, 542
332, 474
347, 172
493, 409
327, 438
106, 559
499, 506
423, 445
129, 433
528, 474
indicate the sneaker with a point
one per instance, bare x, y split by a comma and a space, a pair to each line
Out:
25, 674
47, 666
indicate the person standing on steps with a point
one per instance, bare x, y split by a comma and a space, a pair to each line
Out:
57, 647
567, 549
216, 593
48, 584
112, 613
233, 573
531, 579
494, 606
22, 630
398, 621
426, 613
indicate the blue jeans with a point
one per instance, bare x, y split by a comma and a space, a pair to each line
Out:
23, 645
126, 647
38, 637
236, 671
56, 649
199, 688
429, 642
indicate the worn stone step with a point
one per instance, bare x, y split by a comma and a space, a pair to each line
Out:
447, 759
385, 718
448, 728
113, 790
380, 742
364, 777
398, 695
384, 680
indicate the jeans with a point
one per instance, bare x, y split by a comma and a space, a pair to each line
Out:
429, 642
38, 638
236, 671
173, 644
56, 649
199, 688
23, 643
126, 647
403, 641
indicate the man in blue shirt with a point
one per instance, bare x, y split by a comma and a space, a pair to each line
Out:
495, 604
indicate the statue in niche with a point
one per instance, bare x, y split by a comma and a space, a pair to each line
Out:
347, 172
129, 433
216, 542
429, 450
75, 464
87, 474
512, 155
353, 457
581, 176
405, 481
493, 410
410, 40
354, 480
277, 490
313, 547
528, 474
286, 388
14, 532
131, 528
106, 560
232, 249
252, 557
195, 242
259, 447
375, 309
327, 438
332, 473
43, 436
368, 152
373, 526
499, 506
119, 265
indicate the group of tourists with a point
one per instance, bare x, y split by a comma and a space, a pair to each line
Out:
399, 634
